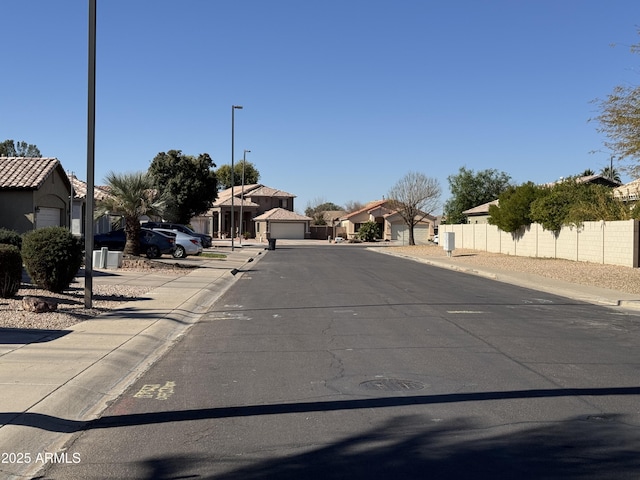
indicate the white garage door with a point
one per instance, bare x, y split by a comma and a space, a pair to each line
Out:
400, 232
48, 217
287, 230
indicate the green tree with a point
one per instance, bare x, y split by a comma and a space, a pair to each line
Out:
317, 212
251, 174
414, 196
513, 211
189, 183
594, 203
551, 208
9, 148
131, 195
470, 189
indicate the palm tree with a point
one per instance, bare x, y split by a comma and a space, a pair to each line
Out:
587, 173
611, 173
132, 195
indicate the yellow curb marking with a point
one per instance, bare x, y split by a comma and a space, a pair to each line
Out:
156, 390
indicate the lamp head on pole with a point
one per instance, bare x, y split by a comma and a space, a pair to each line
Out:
239, 107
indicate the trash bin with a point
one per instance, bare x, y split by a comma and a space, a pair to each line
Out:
272, 244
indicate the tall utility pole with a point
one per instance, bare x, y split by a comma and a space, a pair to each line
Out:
233, 213
91, 148
244, 160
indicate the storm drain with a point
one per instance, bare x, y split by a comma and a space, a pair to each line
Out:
391, 385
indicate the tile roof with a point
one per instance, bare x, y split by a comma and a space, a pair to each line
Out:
253, 190
80, 189
236, 202
367, 208
481, 209
237, 191
263, 191
283, 215
28, 173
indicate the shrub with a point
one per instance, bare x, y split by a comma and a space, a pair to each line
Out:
10, 270
369, 231
10, 237
52, 257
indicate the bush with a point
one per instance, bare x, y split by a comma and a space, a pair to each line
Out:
10, 270
10, 237
369, 231
52, 257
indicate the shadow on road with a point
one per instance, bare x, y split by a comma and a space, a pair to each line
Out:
416, 447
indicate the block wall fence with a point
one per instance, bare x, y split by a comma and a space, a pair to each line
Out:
610, 243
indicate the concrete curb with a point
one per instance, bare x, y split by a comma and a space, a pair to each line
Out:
594, 295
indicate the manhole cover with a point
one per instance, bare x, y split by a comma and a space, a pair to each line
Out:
391, 385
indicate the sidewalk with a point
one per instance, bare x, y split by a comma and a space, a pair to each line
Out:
53, 382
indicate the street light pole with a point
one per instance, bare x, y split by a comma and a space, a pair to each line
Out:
244, 160
233, 229
91, 152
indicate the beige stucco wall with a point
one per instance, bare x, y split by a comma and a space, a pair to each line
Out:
612, 243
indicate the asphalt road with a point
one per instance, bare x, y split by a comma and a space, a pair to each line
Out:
336, 362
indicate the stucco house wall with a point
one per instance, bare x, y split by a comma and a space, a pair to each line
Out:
28, 185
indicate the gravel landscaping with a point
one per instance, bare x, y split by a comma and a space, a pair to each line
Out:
614, 277
70, 308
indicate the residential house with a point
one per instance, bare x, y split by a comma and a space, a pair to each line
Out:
79, 205
392, 226
598, 179
330, 227
629, 192
479, 214
35, 192
281, 223
246, 202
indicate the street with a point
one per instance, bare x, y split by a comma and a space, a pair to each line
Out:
334, 362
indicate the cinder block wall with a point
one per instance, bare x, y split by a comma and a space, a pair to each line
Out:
611, 243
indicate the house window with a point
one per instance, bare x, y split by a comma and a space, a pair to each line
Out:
283, 202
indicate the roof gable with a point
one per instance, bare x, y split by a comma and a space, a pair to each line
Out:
367, 208
249, 191
282, 215
27, 173
264, 191
480, 209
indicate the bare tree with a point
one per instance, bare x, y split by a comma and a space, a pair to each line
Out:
415, 196
353, 206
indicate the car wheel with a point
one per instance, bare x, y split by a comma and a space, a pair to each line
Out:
179, 252
153, 251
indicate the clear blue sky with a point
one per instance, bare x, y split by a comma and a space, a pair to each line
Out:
341, 97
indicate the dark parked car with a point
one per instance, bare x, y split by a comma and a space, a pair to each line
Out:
152, 244
205, 239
